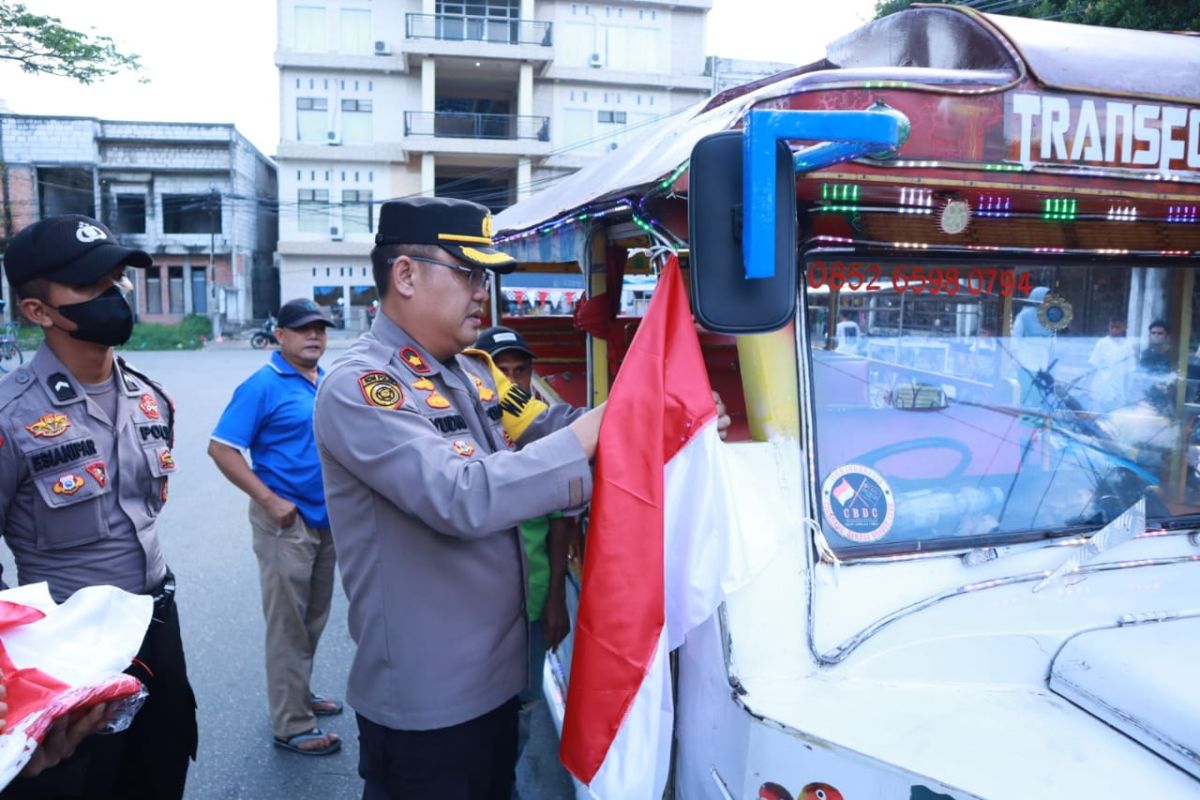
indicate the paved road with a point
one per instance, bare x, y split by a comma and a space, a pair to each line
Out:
206, 538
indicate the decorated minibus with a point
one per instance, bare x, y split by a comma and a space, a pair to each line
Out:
946, 281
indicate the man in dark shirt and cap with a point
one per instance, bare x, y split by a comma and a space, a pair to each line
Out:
431, 458
85, 456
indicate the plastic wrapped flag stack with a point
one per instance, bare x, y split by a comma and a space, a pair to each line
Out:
59, 659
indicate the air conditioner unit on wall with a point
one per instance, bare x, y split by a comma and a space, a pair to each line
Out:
594, 60
333, 137
335, 233
382, 48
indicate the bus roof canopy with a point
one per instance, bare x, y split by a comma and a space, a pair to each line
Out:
951, 46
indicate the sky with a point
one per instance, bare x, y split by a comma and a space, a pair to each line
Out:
213, 61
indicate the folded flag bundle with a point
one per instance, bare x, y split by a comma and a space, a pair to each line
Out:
61, 659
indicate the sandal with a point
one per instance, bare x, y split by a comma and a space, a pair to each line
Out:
294, 743
324, 706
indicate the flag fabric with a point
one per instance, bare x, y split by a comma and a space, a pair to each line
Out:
664, 546
57, 659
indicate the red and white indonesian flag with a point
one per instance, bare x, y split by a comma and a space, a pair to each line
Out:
58, 659
665, 545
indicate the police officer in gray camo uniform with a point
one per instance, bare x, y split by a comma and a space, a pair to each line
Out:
85, 456
431, 458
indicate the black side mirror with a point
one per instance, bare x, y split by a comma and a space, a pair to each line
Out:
723, 298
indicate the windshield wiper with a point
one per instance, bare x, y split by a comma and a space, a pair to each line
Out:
1182, 522
1129, 524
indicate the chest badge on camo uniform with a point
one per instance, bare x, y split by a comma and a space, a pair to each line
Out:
49, 426
381, 390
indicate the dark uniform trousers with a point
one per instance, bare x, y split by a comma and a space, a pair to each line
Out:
474, 760
149, 760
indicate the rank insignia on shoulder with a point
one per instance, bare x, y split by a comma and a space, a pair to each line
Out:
424, 384
464, 448
68, 484
381, 390
49, 426
60, 386
485, 394
413, 360
165, 459
99, 472
149, 406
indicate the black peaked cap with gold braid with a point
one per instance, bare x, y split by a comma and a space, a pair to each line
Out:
460, 227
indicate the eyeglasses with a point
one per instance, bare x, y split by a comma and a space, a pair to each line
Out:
477, 279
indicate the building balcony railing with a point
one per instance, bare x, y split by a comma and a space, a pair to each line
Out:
462, 125
458, 28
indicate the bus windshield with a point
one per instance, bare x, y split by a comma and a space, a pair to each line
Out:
968, 404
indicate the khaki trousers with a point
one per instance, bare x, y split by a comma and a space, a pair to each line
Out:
295, 568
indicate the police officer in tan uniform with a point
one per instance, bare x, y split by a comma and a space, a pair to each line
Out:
431, 458
85, 458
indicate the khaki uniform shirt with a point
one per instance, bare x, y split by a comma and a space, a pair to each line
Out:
61, 463
425, 492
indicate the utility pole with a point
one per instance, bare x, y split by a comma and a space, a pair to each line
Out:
214, 204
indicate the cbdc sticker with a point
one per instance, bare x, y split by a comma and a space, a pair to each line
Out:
858, 503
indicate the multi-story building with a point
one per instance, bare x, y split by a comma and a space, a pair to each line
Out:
198, 197
489, 100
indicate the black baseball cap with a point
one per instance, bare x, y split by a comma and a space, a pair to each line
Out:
71, 249
300, 312
458, 226
496, 340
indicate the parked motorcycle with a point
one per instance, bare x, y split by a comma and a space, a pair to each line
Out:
264, 336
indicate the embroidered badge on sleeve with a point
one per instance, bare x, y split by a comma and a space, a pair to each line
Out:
149, 406
381, 390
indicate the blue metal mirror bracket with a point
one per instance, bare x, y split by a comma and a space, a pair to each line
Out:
843, 135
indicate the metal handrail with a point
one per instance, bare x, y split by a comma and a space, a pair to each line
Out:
466, 28
464, 125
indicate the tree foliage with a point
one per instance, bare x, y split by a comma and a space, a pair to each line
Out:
1159, 15
42, 44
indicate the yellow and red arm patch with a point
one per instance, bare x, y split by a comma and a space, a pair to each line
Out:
381, 390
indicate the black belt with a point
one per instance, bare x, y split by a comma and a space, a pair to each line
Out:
164, 595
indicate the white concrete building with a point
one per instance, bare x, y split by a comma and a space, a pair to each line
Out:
198, 197
490, 100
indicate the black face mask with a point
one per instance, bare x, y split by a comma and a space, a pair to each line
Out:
106, 319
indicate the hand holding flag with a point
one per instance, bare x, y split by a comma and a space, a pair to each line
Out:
665, 545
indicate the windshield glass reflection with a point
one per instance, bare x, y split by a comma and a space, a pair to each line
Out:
956, 411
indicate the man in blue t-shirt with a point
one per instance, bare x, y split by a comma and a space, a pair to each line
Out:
271, 416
